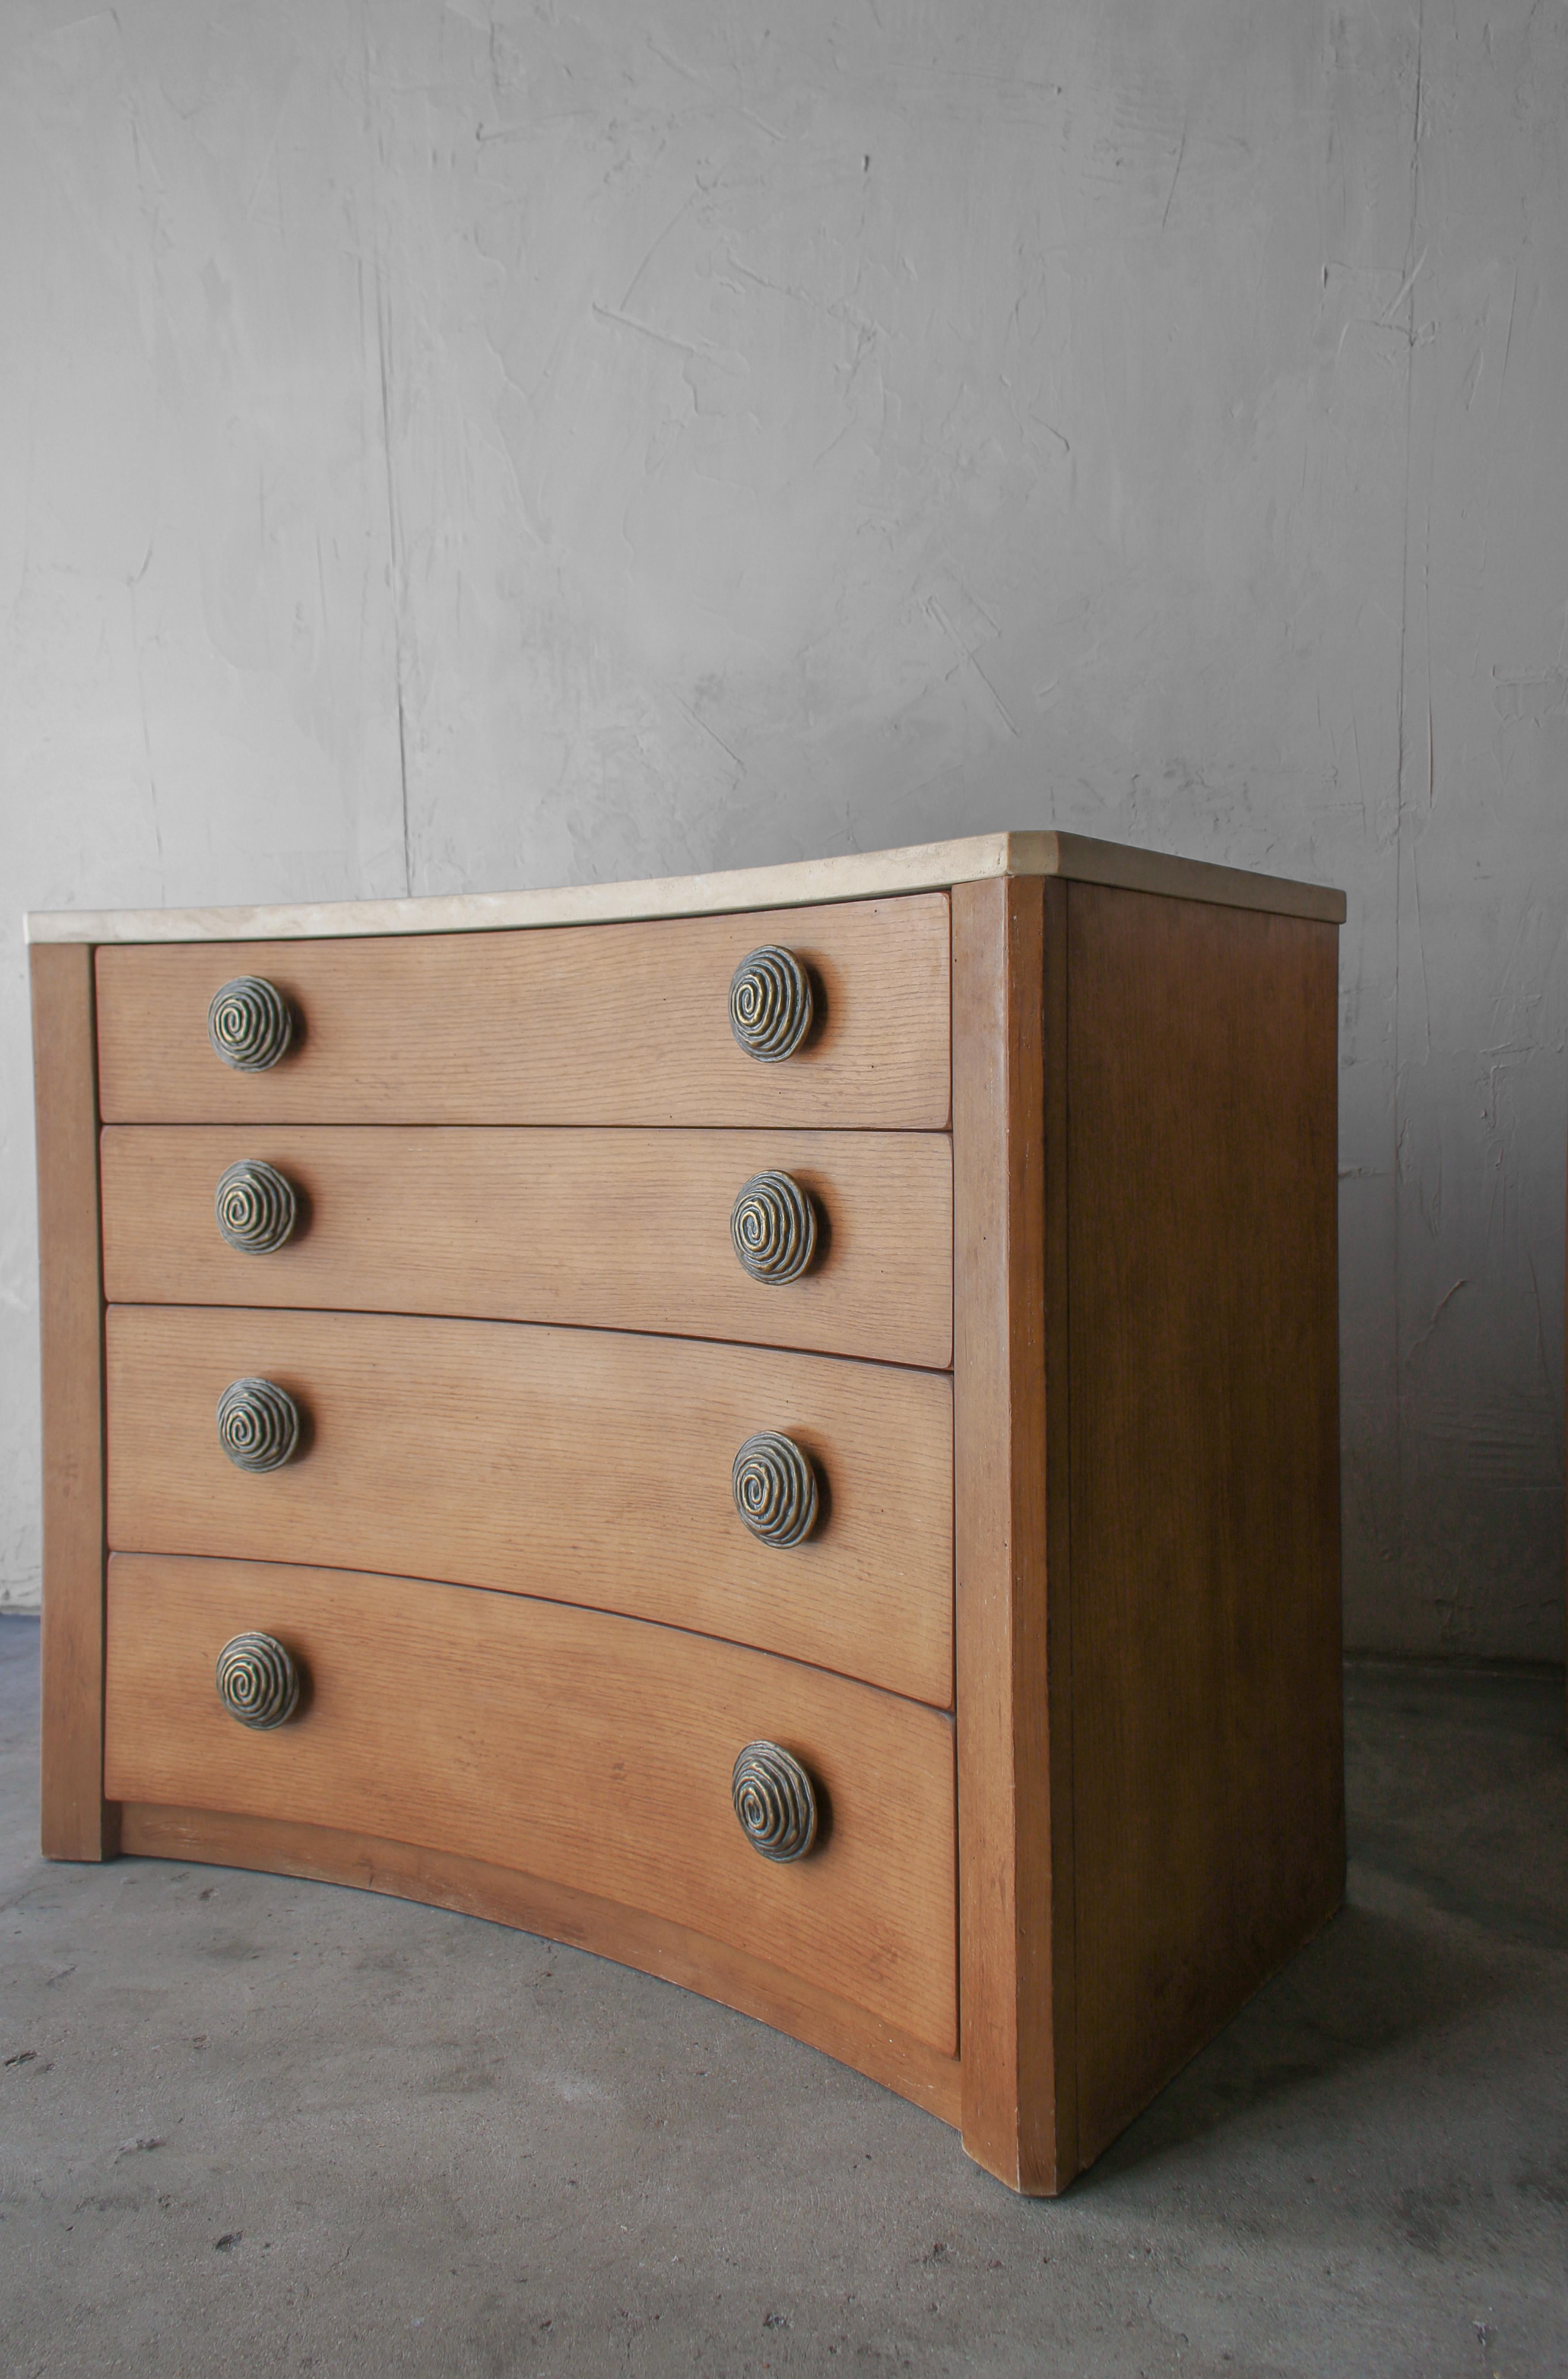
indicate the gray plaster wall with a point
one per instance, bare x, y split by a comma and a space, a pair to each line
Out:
461, 446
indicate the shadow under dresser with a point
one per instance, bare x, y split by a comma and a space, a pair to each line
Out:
780, 1428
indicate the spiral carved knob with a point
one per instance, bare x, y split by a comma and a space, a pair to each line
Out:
258, 1424
775, 1489
256, 1207
250, 1023
774, 1800
773, 1228
257, 1680
770, 1004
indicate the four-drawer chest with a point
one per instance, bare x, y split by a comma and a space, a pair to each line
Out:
779, 1427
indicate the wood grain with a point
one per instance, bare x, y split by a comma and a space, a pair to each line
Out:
588, 1467
1205, 1508
597, 1024
628, 1935
621, 1230
1014, 1799
565, 1743
77, 1823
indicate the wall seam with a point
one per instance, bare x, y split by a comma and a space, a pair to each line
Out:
1409, 274
395, 540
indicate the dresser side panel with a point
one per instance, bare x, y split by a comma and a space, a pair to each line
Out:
77, 1822
1204, 1464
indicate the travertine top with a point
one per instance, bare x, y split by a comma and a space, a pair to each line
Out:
862, 875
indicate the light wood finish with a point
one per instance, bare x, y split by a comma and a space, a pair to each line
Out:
616, 1229
857, 875
77, 1822
628, 1935
593, 1024
1209, 1810
571, 1744
1014, 1702
530, 1352
589, 1467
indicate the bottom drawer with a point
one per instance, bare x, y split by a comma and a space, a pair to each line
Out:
565, 1743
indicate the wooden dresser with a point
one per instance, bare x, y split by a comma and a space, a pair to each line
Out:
779, 1427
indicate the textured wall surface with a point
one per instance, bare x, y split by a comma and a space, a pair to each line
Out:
449, 447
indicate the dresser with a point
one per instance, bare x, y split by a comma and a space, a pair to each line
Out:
778, 1427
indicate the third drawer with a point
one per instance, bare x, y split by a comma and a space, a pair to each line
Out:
588, 1467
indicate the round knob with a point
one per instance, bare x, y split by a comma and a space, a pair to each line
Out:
250, 1024
256, 1207
770, 1005
257, 1680
773, 1228
774, 1800
258, 1424
775, 1489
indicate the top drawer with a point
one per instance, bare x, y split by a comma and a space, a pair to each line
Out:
576, 1024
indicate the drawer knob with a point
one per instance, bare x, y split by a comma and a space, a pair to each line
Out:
257, 1680
256, 1207
770, 1004
773, 1228
258, 1424
250, 1023
774, 1800
775, 1489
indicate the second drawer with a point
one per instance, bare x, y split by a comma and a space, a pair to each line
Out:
587, 1466
619, 1230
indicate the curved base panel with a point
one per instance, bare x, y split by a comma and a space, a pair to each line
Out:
473, 1888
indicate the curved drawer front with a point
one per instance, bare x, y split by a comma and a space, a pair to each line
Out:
586, 1466
620, 1230
562, 1743
593, 1024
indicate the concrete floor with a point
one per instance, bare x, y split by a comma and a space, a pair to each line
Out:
255, 2126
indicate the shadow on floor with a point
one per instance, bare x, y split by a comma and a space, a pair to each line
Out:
1369, 1984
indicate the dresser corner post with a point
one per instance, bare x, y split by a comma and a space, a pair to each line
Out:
77, 1822
1017, 1957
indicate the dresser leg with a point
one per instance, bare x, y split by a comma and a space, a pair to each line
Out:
77, 1823
1013, 1655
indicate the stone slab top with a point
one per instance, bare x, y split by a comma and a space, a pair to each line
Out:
857, 875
